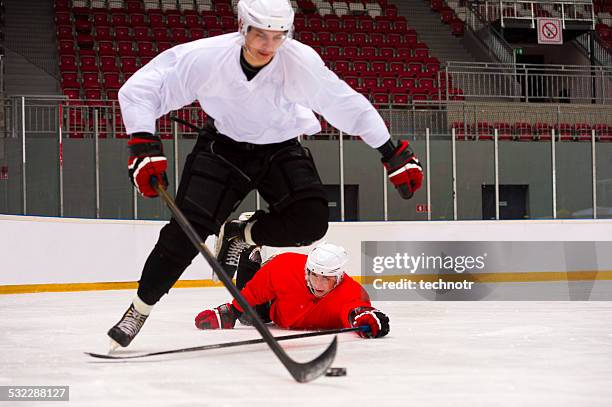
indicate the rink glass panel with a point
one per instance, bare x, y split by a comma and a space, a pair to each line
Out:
574, 180
520, 163
603, 160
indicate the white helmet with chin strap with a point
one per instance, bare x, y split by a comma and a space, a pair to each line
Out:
327, 260
275, 15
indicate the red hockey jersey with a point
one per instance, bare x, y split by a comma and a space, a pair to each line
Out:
282, 281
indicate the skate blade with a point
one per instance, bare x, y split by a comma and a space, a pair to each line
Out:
113, 346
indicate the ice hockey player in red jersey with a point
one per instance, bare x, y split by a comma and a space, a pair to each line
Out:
298, 291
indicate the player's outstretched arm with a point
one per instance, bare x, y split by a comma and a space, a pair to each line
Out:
369, 316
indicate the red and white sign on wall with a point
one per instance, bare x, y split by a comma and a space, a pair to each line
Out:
550, 31
422, 208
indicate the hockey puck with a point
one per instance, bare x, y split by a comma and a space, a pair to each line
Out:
336, 371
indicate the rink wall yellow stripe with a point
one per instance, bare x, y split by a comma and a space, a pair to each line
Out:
526, 277
67, 287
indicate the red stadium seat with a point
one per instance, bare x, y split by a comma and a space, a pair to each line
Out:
129, 65
603, 132
70, 80
192, 21
66, 47
88, 63
91, 80
565, 131
583, 131
119, 19
125, 49
174, 20
463, 131
210, 22
484, 131
378, 67
142, 34
111, 80
197, 33
524, 131
314, 23
68, 63
161, 34
64, 32
400, 98
146, 49
351, 52
156, 20
122, 33
108, 64
332, 23
504, 130
325, 38
179, 35
399, 26
543, 131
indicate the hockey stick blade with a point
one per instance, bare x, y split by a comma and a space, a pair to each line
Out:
301, 372
228, 344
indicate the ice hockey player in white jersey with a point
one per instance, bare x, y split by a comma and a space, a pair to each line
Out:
260, 89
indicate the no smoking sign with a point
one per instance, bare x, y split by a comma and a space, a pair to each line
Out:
550, 31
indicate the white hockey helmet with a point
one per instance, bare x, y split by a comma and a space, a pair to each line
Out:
275, 15
327, 260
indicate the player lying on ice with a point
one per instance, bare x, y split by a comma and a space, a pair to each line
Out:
298, 291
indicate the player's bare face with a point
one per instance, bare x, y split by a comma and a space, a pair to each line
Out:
261, 45
321, 285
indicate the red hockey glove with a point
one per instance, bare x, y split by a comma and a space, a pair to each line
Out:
405, 170
371, 317
146, 160
222, 317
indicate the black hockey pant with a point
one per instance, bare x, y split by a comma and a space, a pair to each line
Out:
217, 176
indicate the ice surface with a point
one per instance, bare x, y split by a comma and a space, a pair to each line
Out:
437, 354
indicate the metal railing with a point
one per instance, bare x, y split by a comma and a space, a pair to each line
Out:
497, 47
78, 119
591, 46
47, 117
568, 11
532, 83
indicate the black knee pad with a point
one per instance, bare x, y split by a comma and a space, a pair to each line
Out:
291, 176
308, 219
211, 189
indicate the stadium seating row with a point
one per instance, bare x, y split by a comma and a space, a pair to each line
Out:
101, 47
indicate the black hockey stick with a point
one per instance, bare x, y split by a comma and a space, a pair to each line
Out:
229, 344
302, 372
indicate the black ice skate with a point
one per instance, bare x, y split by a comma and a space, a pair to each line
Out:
127, 328
230, 244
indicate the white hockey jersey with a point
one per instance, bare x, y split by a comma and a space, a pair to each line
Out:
276, 105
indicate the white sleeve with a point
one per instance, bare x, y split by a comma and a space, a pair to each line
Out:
166, 83
320, 89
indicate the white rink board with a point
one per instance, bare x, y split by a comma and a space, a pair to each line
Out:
37, 250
